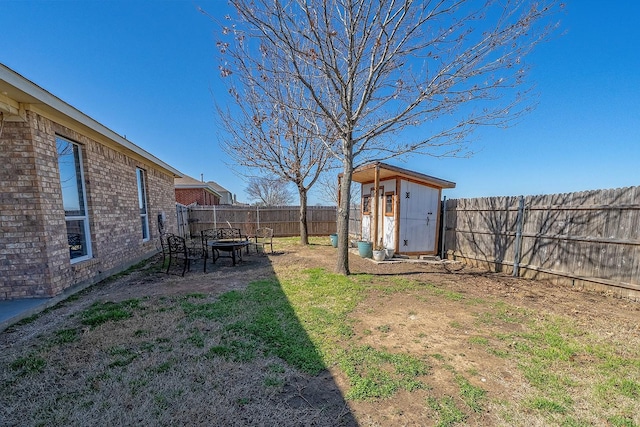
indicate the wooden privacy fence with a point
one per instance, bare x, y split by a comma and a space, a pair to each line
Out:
589, 239
285, 220
355, 222
182, 214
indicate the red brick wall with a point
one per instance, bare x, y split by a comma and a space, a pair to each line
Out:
187, 196
34, 254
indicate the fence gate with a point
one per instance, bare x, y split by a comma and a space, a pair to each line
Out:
182, 215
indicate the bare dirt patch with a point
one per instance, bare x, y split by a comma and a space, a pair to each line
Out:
445, 320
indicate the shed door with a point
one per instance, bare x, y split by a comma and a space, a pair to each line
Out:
418, 217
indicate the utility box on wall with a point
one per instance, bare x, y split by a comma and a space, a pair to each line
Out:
400, 208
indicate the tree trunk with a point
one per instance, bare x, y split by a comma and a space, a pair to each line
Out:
342, 266
304, 229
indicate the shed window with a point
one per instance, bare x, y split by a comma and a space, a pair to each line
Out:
74, 199
142, 204
388, 203
366, 204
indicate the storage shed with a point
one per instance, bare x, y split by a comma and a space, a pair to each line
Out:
406, 216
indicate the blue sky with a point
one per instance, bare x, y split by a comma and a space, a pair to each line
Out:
148, 70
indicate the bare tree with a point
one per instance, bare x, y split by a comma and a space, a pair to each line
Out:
328, 189
274, 128
391, 77
269, 192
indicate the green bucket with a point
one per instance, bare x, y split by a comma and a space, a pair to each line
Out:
365, 249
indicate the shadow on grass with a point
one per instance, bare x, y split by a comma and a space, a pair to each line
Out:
175, 351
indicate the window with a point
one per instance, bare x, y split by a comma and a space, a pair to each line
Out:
388, 204
366, 201
142, 204
74, 199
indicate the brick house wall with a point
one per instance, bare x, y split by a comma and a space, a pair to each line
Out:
34, 251
200, 196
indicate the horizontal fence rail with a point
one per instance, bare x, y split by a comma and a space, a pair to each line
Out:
589, 238
284, 220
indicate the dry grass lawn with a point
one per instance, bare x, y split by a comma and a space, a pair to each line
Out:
280, 340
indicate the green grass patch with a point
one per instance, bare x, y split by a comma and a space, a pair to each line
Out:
456, 325
438, 357
615, 385
121, 356
478, 340
273, 382
103, 312
270, 319
236, 350
30, 364
163, 367
447, 412
227, 305
555, 357
547, 405
621, 421
445, 293
378, 374
470, 394
196, 338
65, 336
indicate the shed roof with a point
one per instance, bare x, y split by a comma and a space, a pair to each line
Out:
18, 94
366, 173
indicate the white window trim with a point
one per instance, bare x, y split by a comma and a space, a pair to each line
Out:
84, 218
143, 216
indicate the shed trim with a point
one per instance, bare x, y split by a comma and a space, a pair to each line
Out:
366, 174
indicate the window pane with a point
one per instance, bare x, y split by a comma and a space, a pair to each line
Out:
76, 238
142, 204
388, 204
145, 227
365, 204
142, 199
70, 178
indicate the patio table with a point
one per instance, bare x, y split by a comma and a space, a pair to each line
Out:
234, 248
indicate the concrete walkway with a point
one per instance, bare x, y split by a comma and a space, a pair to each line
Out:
15, 310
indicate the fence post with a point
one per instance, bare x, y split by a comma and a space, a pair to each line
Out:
257, 216
444, 227
215, 222
518, 243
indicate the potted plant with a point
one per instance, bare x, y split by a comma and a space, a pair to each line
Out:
390, 252
364, 249
378, 252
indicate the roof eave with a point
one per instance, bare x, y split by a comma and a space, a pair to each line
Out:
33, 94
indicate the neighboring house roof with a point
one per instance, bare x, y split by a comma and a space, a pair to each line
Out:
18, 95
218, 187
366, 174
186, 182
